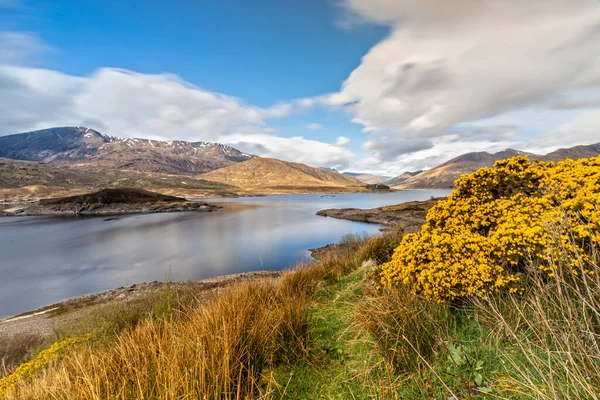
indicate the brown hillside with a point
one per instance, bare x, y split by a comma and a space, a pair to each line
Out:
576, 152
27, 179
271, 173
444, 175
86, 148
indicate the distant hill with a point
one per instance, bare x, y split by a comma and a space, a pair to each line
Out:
28, 179
444, 175
84, 147
367, 178
400, 178
272, 174
574, 153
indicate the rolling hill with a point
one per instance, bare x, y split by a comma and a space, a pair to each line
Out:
84, 147
269, 173
444, 175
28, 179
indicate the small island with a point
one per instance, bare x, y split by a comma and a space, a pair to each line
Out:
110, 202
378, 187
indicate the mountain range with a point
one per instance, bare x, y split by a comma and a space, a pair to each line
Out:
400, 178
77, 159
68, 160
444, 175
84, 147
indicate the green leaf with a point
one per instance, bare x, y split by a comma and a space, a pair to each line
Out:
478, 379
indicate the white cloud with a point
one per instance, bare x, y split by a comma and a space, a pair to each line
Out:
584, 127
452, 62
416, 154
124, 103
342, 141
297, 149
391, 149
36, 98
120, 103
314, 126
17, 47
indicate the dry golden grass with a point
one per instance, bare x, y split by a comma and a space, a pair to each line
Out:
217, 349
406, 329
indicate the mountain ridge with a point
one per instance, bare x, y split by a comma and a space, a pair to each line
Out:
400, 178
88, 148
444, 175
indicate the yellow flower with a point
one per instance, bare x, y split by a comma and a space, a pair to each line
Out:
497, 219
27, 370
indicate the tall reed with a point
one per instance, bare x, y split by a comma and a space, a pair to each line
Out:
219, 349
555, 326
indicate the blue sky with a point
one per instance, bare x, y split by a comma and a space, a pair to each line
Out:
371, 85
262, 51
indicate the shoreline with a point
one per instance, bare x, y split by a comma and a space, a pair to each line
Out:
410, 215
121, 210
42, 320
406, 214
109, 202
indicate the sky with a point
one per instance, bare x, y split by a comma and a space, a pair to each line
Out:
379, 86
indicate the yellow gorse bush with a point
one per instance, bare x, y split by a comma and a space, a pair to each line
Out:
478, 240
27, 370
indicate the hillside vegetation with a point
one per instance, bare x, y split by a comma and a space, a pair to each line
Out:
26, 179
498, 296
269, 173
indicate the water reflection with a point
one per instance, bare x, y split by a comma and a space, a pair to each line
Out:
45, 260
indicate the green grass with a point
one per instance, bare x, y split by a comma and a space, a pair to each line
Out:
338, 352
344, 363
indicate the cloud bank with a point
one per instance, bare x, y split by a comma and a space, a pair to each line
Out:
449, 63
124, 103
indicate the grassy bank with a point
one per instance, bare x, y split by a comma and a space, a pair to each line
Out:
327, 331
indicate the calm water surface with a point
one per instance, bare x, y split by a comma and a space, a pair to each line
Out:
44, 260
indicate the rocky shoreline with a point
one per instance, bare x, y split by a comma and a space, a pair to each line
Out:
41, 321
410, 215
108, 210
106, 203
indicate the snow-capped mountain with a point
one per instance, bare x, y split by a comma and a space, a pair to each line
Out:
88, 148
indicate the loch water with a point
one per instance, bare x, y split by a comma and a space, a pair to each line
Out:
44, 260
